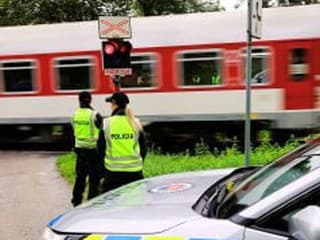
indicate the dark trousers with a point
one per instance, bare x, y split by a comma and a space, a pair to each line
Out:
87, 164
113, 180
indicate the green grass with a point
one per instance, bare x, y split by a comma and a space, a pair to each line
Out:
157, 164
66, 166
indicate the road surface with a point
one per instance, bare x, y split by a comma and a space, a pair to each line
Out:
32, 193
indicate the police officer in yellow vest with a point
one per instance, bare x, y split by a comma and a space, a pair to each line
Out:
86, 123
125, 144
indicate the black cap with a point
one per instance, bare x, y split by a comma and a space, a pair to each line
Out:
119, 98
84, 96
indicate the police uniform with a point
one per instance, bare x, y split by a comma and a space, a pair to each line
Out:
125, 148
86, 122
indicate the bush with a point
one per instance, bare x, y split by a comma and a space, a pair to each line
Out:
159, 164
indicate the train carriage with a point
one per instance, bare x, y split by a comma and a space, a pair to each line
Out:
188, 76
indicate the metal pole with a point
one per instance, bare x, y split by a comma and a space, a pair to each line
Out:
117, 83
248, 92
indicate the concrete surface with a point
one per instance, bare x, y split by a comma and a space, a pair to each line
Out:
31, 194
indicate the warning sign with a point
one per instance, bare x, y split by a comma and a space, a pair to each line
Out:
118, 71
114, 27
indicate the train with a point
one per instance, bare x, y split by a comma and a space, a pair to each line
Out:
188, 76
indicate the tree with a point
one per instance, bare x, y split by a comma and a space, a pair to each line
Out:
165, 7
19, 12
277, 3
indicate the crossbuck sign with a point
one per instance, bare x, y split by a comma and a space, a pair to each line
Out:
114, 27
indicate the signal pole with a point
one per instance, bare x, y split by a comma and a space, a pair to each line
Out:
117, 82
247, 140
254, 30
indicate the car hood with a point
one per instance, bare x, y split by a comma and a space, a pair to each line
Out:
148, 206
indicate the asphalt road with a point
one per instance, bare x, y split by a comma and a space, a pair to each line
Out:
31, 194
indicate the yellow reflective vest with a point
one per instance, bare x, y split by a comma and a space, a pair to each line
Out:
122, 146
85, 131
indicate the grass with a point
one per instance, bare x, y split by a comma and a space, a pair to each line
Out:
157, 164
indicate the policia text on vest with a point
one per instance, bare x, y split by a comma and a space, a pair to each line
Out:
122, 136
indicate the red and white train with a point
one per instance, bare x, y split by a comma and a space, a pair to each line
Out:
188, 73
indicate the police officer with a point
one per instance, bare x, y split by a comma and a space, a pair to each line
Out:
86, 123
125, 144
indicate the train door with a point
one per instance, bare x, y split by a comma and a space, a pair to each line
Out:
316, 73
299, 84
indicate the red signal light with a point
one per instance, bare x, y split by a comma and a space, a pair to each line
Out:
125, 48
111, 48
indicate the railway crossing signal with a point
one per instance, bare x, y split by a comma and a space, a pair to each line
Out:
115, 50
116, 54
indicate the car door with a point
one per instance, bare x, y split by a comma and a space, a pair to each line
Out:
253, 234
275, 224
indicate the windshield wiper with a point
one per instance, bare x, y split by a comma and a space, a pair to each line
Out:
216, 198
209, 203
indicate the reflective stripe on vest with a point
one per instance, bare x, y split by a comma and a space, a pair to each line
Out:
85, 131
122, 147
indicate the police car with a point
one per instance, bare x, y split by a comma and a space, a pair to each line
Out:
276, 202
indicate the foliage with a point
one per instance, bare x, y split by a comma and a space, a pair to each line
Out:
280, 3
157, 164
202, 148
165, 7
20, 12
273, 3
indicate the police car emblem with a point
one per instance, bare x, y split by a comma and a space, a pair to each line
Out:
171, 187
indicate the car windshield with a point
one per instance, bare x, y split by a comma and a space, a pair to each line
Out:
246, 186
269, 179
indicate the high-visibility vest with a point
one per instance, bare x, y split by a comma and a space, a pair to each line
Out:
85, 131
122, 146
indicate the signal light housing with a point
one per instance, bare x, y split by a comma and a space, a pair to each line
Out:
116, 54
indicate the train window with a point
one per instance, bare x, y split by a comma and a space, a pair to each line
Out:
260, 62
201, 68
143, 72
17, 76
298, 68
74, 73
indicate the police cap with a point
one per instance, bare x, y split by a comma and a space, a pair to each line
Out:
119, 98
